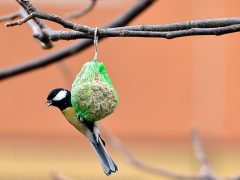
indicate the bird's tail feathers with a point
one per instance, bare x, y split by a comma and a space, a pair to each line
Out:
106, 162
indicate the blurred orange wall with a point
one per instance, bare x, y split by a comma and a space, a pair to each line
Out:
165, 86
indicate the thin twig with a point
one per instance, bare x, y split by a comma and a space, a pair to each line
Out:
30, 9
83, 11
54, 18
75, 48
21, 21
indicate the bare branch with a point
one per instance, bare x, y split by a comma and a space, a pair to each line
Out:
30, 9
102, 33
198, 148
124, 19
54, 18
83, 11
168, 31
117, 145
208, 23
21, 21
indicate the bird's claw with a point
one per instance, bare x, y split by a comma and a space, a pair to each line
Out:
79, 118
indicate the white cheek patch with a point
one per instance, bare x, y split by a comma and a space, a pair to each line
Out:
61, 95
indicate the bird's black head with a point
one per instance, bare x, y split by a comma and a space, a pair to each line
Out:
60, 98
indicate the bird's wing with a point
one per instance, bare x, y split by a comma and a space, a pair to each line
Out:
91, 131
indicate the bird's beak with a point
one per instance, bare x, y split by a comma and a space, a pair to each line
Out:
49, 103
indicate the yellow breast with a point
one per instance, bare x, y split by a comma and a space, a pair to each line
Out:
70, 114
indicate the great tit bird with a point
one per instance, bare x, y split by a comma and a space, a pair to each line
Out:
61, 98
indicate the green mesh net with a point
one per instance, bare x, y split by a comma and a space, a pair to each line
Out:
93, 94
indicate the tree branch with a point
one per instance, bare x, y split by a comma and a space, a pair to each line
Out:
117, 145
168, 31
103, 33
206, 171
75, 48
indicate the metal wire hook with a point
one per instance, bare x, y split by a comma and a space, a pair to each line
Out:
95, 41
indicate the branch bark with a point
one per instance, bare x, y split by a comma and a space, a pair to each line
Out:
169, 31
